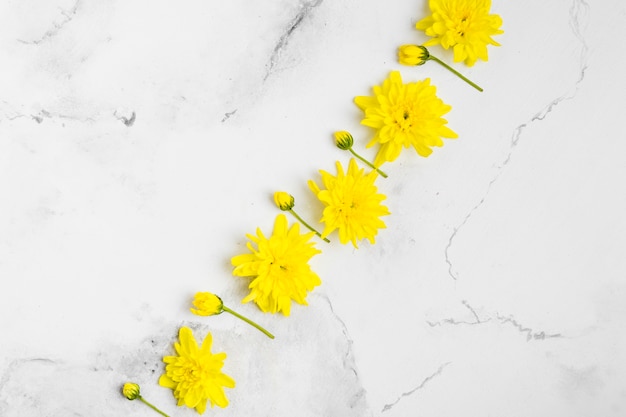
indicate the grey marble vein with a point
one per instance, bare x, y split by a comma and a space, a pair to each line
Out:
68, 15
426, 380
578, 16
452, 321
128, 120
530, 333
228, 115
495, 318
305, 10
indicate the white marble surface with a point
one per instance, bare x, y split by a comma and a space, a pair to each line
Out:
141, 140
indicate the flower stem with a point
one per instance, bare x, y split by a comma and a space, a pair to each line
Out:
247, 320
153, 407
308, 226
367, 162
458, 74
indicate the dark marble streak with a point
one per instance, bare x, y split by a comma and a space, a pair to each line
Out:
306, 9
56, 27
426, 380
579, 12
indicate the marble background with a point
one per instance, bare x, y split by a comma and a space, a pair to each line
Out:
141, 140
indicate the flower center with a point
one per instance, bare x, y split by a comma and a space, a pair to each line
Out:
277, 267
403, 117
463, 21
191, 372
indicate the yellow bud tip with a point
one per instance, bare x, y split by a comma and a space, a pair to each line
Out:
283, 200
207, 304
413, 55
344, 140
130, 390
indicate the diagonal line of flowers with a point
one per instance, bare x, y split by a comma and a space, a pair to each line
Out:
401, 115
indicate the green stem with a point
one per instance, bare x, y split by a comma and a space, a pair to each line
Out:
247, 320
434, 58
153, 407
308, 226
367, 162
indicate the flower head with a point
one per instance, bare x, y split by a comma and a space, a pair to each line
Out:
283, 200
207, 304
413, 55
195, 374
343, 140
352, 203
131, 390
280, 267
464, 25
404, 115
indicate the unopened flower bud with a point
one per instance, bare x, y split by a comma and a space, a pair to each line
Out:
344, 140
207, 304
130, 390
283, 200
413, 55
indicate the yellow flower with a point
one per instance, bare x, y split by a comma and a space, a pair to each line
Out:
352, 204
279, 266
195, 373
286, 202
418, 55
283, 200
207, 304
413, 55
343, 140
404, 115
131, 391
464, 25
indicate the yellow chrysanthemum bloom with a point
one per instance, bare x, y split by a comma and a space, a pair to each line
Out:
464, 25
404, 115
352, 203
343, 140
131, 391
195, 375
207, 304
284, 200
413, 55
280, 266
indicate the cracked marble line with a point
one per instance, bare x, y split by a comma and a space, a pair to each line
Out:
56, 27
228, 115
344, 329
530, 334
9, 113
477, 319
305, 11
579, 12
128, 121
500, 319
426, 380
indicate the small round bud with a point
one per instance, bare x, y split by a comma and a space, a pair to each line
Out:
130, 390
207, 304
283, 200
413, 55
344, 140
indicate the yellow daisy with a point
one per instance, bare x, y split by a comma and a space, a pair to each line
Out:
280, 267
404, 115
195, 374
352, 204
464, 25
